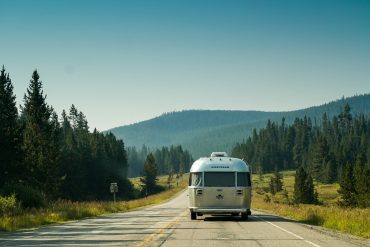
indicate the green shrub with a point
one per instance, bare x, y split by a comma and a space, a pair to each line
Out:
259, 191
27, 196
8, 205
267, 198
282, 197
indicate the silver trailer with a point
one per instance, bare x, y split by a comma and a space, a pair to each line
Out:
220, 185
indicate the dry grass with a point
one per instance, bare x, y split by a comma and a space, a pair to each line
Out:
349, 220
62, 211
354, 221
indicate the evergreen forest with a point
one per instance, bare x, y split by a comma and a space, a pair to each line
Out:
171, 159
204, 131
44, 157
336, 150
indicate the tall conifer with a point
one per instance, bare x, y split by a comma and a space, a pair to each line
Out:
41, 154
9, 131
347, 188
149, 179
304, 191
361, 175
276, 183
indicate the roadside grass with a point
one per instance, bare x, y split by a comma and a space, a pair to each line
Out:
62, 211
328, 214
161, 181
354, 221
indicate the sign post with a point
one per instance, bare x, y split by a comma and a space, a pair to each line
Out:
114, 190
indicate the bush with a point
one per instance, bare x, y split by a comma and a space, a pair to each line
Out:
283, 197
155, 190
259, 191
267, 198
8, 205
266, 189
126, 191
313, 217
27, 196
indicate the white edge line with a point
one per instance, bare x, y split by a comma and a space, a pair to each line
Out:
291, 233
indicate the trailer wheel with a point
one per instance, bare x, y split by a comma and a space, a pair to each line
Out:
193, 215
244, 216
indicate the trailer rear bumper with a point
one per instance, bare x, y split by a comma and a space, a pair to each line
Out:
220, 210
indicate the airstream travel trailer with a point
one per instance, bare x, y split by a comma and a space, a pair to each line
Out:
220, 185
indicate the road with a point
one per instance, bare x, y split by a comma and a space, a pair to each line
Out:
169, 225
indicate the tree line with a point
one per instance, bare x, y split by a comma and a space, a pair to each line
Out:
45, 157
332, 150
173, 159
56, 156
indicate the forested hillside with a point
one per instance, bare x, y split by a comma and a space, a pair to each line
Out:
179, 127
335, 149
203, 131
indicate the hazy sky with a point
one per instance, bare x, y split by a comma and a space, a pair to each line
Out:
125, 61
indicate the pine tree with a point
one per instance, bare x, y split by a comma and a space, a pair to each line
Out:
39, 146
304, 191
310, 193
345, 118
319, 159
330, 172
276, 183
9, 132
149, 179
74, 176
347, 188
73, 115
361, 175
300, 178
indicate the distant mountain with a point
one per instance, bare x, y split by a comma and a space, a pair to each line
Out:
204, 131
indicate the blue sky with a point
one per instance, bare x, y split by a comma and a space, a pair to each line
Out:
121, 62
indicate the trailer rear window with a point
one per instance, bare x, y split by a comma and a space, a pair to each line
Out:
219, 179
243, 179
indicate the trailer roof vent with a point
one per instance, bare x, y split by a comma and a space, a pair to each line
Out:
219, 154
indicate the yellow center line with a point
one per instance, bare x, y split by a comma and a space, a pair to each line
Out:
160, 232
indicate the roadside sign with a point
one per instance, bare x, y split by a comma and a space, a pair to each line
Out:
114, 190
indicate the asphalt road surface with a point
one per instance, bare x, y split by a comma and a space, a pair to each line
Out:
169, 225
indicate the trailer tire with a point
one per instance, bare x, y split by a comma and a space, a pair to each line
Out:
193, 215
244, 216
